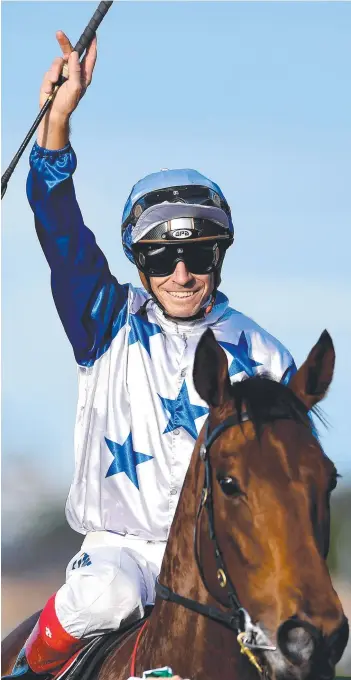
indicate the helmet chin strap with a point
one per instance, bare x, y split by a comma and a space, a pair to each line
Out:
203, 311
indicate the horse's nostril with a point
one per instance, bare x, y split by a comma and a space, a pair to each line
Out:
300, 644
297, 641
338, 641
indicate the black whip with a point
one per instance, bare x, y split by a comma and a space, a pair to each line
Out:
82, 44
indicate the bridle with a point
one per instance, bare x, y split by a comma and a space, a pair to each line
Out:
237, 619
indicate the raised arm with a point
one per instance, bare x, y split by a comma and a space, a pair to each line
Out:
88, 298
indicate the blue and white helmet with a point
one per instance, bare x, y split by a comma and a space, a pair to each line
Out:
171, 204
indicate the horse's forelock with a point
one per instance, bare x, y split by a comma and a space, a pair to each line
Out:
265, 399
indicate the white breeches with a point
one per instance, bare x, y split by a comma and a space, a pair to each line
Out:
109, 581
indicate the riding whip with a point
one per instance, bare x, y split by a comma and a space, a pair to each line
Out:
82, 44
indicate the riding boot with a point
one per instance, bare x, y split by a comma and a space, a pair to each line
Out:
48, 647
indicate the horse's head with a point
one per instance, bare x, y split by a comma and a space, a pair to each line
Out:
271, 483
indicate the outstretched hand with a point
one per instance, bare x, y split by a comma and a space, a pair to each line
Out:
53, 131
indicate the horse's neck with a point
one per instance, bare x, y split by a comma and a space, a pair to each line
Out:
193, 645
179, 571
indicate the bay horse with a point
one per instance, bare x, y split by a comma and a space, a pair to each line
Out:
244, 590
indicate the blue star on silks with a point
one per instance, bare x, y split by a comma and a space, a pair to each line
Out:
241, 360
125, 459
182, 412
142, 330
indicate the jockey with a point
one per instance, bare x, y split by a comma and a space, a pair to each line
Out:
138, 414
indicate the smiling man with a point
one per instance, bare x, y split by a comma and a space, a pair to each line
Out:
138, 413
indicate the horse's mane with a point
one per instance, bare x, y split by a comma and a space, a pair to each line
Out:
265, 400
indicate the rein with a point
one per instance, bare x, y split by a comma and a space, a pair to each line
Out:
237, 619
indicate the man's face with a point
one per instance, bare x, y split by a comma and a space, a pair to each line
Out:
182, 293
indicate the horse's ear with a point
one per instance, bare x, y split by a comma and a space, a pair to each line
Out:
210, 373
313, 378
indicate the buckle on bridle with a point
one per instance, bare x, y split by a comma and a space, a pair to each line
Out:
204, 496
222, 579
203, 452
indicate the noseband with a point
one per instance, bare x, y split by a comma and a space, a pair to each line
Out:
237, 619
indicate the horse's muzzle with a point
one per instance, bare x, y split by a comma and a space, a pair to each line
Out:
304, 646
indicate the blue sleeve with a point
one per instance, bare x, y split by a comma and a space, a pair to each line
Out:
88, 298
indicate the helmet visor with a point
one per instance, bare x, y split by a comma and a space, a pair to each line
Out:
156, 259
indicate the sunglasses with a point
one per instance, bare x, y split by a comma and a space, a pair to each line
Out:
161, 260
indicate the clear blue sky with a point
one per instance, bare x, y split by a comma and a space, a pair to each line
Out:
255, 95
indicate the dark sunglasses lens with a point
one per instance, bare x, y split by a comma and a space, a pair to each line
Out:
200, 259
162, 261
156, 261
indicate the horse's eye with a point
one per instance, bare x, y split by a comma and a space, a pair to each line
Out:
230, 486
333, 483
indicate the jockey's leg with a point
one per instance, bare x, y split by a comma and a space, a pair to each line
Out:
104, 587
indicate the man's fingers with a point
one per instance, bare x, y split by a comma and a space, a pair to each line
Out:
64, 43
88, 62
78, 76
52, 76
74, 70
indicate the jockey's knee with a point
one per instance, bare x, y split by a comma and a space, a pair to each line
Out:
99, 599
